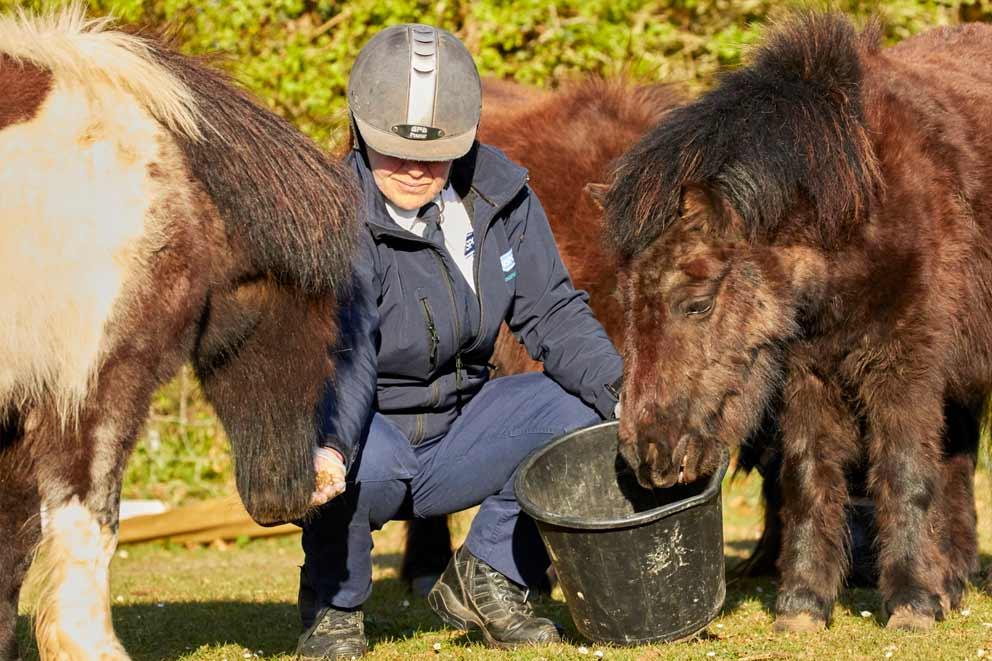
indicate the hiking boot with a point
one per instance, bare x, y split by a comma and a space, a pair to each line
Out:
335, 634
470, 594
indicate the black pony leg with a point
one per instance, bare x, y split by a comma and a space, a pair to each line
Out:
763, 453
20, 528
428, 551
820, 443
959, 541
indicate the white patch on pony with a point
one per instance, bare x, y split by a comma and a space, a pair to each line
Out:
85, 51
73, 616
73, 203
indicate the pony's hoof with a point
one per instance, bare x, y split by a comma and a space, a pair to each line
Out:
952, 601
799, 623
906, 619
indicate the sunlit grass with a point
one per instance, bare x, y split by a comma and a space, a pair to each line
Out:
239, 600
234, 601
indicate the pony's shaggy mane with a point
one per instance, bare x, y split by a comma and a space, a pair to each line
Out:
294, 204
786, 130
85, 51
291, 203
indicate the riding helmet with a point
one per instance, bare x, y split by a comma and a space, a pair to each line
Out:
414, 93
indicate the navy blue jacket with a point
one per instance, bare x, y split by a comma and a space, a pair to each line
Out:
416, 340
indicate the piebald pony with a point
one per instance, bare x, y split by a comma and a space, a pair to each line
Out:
150, 214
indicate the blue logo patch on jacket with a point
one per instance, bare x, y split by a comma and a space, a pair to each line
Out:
508, 263
506, 260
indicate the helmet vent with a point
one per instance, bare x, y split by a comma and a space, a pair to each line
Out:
423, 76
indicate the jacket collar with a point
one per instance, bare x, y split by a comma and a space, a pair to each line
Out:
484, 170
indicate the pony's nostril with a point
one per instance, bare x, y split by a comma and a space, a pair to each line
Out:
628, 451
645, 476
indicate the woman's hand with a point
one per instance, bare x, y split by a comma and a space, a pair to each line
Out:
329, 466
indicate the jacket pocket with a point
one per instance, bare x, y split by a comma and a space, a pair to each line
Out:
432, 337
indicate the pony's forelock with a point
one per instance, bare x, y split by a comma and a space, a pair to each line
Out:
787, 129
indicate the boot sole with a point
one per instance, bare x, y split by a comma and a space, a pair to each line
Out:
449, 608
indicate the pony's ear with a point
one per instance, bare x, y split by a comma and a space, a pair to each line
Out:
263, 359
703, 207
807, 276
597, 193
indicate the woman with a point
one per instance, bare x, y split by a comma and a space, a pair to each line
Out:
456, 244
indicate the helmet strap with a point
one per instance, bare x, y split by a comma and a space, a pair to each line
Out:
357, 142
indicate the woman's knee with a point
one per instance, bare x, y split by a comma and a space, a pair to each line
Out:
385, 454
576, 413
372, 503
385, 501
563, 411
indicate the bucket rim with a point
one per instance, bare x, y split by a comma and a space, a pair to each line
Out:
539, 514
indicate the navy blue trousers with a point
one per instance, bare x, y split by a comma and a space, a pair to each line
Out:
473, 464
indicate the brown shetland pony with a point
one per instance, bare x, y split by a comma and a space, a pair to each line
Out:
150, 214
567, 140
813, 239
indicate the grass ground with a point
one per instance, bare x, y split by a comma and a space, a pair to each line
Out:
238, 601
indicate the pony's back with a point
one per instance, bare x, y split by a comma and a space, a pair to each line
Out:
83, 117
936, 88
124, 147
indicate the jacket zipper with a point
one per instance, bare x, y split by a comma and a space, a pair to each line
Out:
454, 316
478, 286
478, 263
432, 332
476, 267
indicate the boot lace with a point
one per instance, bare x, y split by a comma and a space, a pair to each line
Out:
340, 622
512, 598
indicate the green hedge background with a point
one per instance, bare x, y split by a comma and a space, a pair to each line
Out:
296, 54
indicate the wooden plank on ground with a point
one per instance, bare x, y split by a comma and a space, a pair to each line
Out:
223, 518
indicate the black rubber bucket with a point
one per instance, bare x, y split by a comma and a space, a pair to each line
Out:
636, 565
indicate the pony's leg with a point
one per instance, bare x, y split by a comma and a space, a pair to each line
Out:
905, 480
820, 441
73, 616
957, 516
20, 531
763, 453
427, 553
81, 492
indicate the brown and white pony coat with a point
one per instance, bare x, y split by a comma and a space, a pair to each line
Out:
150, 214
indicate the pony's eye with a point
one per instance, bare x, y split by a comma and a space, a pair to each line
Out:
697, 307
